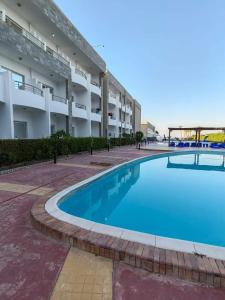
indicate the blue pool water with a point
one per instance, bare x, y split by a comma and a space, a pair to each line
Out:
179, 196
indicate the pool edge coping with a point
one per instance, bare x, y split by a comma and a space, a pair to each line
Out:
51, 212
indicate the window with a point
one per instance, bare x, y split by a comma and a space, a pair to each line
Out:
16, 77
20, 130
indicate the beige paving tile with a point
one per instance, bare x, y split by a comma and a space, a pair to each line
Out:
42, 191
110, 156
81, 166
21, 189
85, 277
17, 188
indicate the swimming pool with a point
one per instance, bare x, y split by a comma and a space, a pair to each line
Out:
176, 195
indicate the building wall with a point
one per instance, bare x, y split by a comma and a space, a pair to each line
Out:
72, 71
136, 116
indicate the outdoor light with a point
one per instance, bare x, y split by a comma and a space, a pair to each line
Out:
53, 35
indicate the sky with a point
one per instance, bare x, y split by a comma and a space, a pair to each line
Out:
169, 54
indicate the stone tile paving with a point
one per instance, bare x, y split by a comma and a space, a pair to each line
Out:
29, 261
136, 284
84, 277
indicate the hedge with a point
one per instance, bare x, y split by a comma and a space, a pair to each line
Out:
14, 152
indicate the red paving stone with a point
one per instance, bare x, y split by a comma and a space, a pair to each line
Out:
29, 261
136, 284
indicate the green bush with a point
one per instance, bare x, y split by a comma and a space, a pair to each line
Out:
24, 151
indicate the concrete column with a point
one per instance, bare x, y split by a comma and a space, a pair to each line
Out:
6, 108
69, 97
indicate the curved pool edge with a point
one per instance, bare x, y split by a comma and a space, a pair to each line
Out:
179, 258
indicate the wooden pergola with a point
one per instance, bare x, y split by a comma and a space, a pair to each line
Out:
196, 129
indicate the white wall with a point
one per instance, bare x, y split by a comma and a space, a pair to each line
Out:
81, 127
95, 129
37, 121
59, 121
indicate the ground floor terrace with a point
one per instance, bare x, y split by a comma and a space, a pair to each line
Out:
40, 265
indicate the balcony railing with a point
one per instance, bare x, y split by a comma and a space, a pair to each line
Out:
81, 73
59, 99
95, 83
33, 39
28, 87
96, 110
112, 95
57, 56
81, 106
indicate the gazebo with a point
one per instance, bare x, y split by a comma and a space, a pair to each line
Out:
196, 129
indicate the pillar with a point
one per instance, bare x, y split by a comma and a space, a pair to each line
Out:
69, 97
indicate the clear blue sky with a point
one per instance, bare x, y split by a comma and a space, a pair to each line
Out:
169, 54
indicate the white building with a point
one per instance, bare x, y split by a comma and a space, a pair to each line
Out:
119, 109
51, 78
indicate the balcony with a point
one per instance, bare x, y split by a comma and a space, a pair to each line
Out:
57, 56
112, 99
122, 124
112, 121
128, 126
79, 111
59, 105
14, 38
123, 108
79, 77
128, 110
95, 88
96, 115
24, 94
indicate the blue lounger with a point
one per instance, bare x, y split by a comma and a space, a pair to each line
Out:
186, 144
172, 144
180, 144
222, 145
215, 146
193, 144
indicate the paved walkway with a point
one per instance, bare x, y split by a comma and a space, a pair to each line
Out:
137, 284
30, 263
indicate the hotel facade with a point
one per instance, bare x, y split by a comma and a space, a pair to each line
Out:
52, 79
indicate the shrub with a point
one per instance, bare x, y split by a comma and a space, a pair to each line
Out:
23, 151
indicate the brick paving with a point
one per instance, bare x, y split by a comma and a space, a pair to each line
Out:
30, 262
136, 284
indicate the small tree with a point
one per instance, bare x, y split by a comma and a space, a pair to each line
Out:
60, 134
139, 136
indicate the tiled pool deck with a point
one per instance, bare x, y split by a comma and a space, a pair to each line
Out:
30, 262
